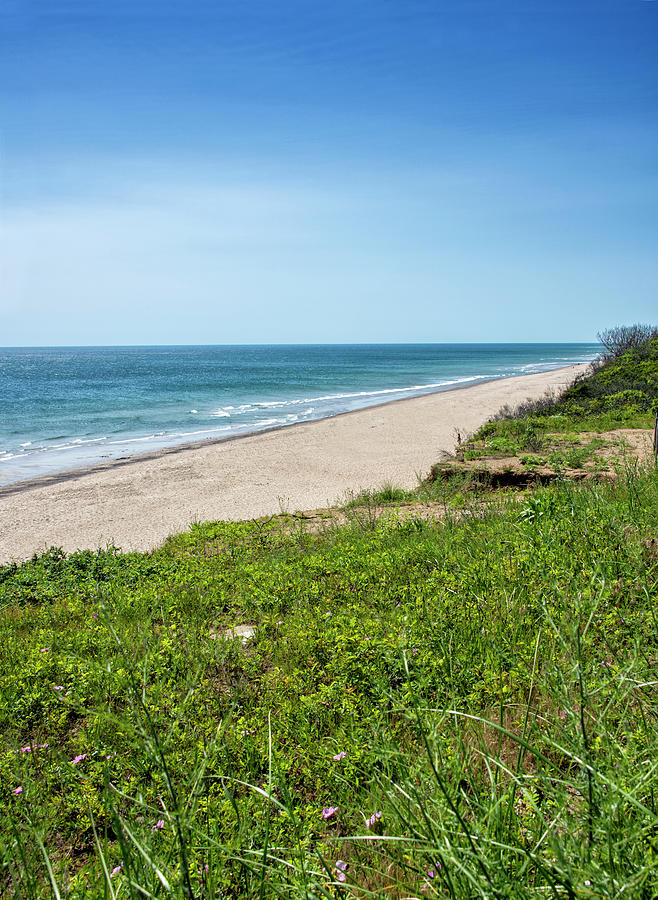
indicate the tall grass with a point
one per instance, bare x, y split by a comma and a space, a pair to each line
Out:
487, 685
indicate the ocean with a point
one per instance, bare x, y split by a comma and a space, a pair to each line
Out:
65, 408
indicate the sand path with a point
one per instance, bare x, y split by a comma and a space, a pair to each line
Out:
136, 504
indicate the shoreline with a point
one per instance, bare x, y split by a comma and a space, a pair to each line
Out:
53, 478
298, 466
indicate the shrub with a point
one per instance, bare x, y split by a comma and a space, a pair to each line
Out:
622, 338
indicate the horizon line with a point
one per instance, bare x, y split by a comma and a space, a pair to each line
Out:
286, 344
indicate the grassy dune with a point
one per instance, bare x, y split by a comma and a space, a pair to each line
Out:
459, 708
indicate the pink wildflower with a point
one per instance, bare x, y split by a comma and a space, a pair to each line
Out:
58, 687
329, 811
18, 790
159, 825
340, 755
44, 649
116, 870
79, 758
26, 749
341, 865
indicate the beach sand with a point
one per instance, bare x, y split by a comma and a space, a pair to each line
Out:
135, 504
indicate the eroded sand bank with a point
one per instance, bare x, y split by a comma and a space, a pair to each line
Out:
136, 504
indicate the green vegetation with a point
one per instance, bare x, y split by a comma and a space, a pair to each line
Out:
386, 495
588, 429
461, 708
620, 392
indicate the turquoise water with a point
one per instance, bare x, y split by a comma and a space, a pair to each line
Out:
62, 408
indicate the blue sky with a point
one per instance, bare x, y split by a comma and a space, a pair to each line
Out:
255, 172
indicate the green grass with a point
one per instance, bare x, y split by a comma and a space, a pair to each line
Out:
491, 682
386, 495
531, 460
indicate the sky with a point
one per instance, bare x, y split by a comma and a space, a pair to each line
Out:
290, 171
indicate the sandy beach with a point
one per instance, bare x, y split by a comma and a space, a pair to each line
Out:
135, 504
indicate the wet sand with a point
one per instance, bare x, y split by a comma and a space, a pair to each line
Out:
136, 503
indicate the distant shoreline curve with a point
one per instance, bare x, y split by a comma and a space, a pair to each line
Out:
134, 504
66, 475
